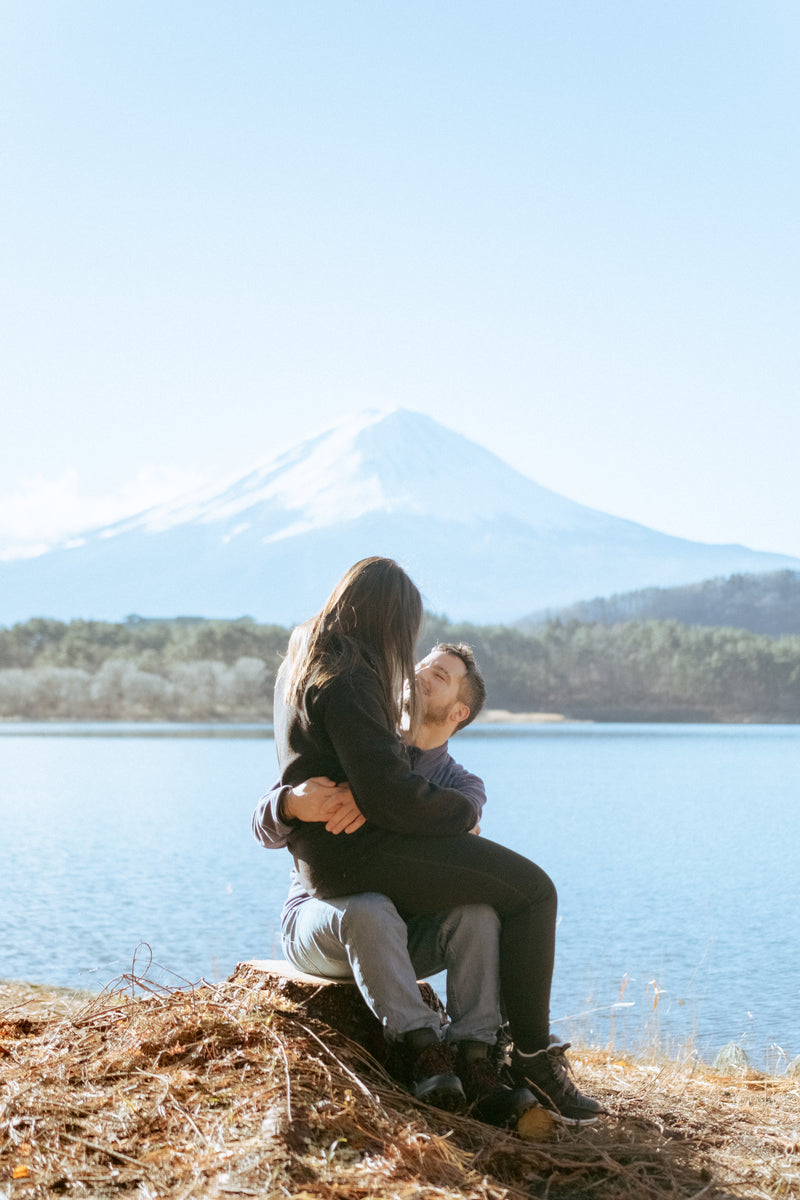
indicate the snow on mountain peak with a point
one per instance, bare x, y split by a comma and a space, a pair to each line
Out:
395, 461
387, 461
274, 539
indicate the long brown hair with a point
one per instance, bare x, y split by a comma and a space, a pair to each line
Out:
372, 616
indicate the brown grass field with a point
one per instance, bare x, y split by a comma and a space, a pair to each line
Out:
249, 1087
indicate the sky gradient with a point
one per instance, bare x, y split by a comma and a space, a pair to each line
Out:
568, 231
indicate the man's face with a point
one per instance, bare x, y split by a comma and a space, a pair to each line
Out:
439, 677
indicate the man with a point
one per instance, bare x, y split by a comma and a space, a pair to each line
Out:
363, 936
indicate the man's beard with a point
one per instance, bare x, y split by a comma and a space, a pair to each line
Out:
436, 716
430, 715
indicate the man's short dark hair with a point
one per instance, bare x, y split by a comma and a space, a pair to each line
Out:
472, 689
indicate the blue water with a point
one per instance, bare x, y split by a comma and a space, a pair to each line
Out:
674, 849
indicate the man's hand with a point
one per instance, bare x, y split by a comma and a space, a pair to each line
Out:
320, 799
304, 802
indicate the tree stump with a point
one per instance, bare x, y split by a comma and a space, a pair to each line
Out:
336, 1002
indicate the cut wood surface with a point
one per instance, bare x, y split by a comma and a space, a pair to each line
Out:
284, 970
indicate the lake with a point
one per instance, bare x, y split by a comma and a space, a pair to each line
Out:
674, 849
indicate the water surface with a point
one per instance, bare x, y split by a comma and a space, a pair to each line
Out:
674, 850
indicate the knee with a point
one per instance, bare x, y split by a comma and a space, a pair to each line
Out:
541, 890
370, 914
475, 921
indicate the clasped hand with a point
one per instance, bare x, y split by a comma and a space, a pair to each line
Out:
320, 799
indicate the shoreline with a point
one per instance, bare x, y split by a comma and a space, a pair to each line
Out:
60, 726
21, 999
504, 716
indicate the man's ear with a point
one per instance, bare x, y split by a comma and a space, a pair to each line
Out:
459, 712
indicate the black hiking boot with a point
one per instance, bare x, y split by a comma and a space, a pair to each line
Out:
547, 1074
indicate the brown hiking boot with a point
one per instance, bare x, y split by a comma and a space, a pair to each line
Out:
492, 1101
434, 1078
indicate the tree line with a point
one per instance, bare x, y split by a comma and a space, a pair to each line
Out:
181, 670
192, 670
762, 603
638, 670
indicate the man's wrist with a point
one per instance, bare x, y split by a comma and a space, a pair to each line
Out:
285, 813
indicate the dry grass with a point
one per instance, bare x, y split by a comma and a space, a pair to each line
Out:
245, 1088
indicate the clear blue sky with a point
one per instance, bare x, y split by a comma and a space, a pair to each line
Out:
567, 229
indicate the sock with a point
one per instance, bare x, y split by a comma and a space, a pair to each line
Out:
469, 1050
418, 1039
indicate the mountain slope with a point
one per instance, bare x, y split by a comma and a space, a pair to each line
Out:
767, 604
483, 542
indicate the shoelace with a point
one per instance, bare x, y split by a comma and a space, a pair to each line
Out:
562, 1069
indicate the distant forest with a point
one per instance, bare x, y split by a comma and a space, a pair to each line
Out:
765, 603
198, 670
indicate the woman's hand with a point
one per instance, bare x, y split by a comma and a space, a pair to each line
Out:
342, 813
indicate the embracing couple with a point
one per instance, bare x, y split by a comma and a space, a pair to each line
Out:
390, 883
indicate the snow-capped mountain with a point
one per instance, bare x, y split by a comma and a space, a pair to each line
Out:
483, 542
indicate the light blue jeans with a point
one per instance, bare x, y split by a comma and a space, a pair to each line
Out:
364, 938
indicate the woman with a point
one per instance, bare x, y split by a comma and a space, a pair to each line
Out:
337, 711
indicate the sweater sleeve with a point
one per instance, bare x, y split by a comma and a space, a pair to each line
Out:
469, 785
375, 765
268, 827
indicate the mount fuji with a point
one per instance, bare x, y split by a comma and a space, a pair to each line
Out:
483, 542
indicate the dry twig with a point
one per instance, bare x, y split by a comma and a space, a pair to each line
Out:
240, 1088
